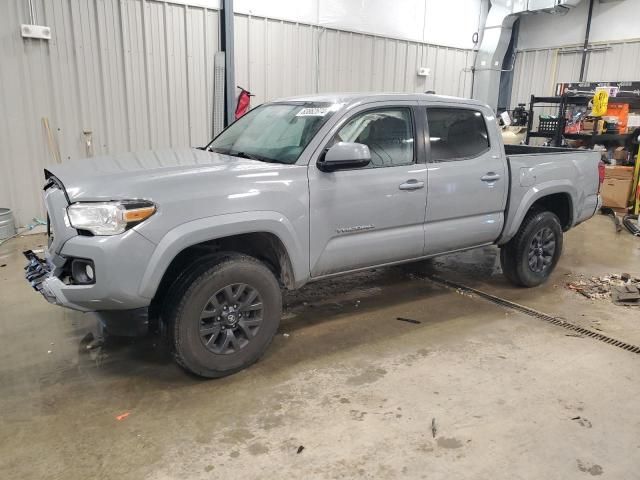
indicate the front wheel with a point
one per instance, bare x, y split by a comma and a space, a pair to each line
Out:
530, 257
224, 315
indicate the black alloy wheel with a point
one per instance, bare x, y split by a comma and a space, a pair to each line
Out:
542, 250
231, 318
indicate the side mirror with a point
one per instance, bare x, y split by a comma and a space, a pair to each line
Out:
345, 155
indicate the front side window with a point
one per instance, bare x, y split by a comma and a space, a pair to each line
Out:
387, 132
456, 134
275, 132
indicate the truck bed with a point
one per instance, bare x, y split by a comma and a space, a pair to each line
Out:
567, 171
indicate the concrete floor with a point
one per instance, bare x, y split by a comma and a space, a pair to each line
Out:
346, 380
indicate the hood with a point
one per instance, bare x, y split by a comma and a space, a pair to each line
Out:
188, 184
151, 174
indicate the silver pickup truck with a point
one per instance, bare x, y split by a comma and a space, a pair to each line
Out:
301, 189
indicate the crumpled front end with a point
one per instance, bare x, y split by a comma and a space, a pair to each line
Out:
86, 272
40, 276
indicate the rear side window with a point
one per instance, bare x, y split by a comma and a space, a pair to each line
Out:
456, 134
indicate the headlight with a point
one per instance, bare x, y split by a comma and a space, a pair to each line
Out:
109, 218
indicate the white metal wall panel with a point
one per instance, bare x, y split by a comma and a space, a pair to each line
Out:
275, 58
621, 62
359, 62
538, 71
136, 74
133, 74
629, 55
568, 69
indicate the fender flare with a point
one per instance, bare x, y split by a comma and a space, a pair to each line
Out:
220, 226
516, 216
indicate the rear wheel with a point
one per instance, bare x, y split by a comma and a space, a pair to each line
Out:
223, 316
530, 257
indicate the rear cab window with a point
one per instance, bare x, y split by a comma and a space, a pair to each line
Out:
456, 133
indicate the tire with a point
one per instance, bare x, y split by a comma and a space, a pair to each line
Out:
530, 257
214, 326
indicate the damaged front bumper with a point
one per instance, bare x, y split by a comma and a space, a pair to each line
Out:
40, 276
117, 278
113, 295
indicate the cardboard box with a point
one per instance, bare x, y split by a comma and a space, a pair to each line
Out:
589, 124
620, 154
619, 173
616, 188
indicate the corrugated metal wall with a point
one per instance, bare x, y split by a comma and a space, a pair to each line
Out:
537, 71
357, 62
137, 74
276, 58
130, 73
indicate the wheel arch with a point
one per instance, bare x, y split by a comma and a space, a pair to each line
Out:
560, 204
556, 197
268, 236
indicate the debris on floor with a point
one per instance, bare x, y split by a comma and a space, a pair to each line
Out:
461, 291
408, 320
628, 294
592, 469
122, 416
623, 289
584, 422
434, 428
300, 449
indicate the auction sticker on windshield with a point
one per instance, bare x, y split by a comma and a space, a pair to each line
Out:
313, 112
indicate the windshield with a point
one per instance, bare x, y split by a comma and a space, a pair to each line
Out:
275, 132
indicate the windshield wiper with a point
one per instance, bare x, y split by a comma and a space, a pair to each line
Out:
246, 155
251, 156
218, 150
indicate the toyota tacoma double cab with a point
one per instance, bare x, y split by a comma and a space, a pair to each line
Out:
203, 240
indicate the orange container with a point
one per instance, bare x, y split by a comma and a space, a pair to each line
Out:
620, 110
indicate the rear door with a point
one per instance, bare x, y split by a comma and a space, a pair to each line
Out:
467, 178
372, 215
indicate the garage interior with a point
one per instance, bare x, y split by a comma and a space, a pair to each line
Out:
434, 369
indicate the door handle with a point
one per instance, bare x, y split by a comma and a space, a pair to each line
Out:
490, 177
412, 184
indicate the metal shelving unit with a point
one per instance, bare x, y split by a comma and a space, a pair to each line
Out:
562, 103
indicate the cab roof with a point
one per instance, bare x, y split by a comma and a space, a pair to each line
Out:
353, 98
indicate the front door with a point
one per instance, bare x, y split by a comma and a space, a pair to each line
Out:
468, 179
372, 215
